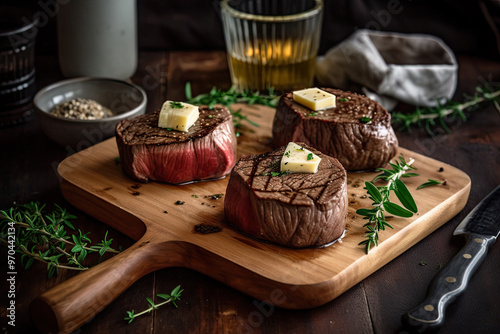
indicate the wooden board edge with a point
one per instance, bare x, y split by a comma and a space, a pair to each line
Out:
103, 211
294, 296
191, 256
406, 238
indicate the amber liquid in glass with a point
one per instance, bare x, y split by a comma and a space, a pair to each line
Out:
280, 65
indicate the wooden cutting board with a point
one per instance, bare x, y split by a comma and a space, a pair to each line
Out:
94, 182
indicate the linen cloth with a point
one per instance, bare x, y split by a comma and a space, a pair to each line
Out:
413, 68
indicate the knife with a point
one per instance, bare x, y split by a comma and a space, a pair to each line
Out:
481, 228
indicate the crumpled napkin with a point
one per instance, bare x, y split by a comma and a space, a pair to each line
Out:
413, 68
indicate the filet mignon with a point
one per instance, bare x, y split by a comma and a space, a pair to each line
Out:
295, 210
358, 131
206, 151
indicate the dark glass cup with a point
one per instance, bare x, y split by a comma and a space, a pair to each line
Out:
17, 69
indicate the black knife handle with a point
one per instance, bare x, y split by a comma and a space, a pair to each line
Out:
450, 282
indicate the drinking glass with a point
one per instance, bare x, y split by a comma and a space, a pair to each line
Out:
18, 30
272, 43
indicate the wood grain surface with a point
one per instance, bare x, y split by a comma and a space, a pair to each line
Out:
304, 278
375, 305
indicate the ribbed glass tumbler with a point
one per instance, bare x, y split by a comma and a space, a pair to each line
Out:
18, 30
273, 43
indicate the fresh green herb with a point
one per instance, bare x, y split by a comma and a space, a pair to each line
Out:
174, 296
342, 99
231, 96
428, 184
168, 129
282, 173
227, 98
179, 202
42, 236
287, 154
313, 114
381, 202
210, 116
195, 196
365, 120
310, 156
422, 263
449, 111
176, 105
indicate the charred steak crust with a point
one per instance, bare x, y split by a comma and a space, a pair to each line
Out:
339, 132
206, 151
295, 210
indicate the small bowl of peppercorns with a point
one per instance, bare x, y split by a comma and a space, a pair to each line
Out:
78, 113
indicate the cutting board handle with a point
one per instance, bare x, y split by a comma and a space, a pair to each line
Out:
72, 303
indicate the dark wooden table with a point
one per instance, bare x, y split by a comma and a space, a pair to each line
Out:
28, 173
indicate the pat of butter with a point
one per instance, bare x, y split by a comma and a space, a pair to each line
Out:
178, 116
315, 99
297, 159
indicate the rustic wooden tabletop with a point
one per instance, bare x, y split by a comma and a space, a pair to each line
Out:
375, 305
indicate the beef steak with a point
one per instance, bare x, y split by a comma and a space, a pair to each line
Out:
206, 151
358, 131
295, 210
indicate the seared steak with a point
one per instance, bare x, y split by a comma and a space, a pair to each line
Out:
358, 131
206, 151
295, 210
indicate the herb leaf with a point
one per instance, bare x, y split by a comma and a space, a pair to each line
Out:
43, 237
374, 192
429, 118
380, 196
174, 296
404, 196
176, 105
397, 210
429, 183
231, 96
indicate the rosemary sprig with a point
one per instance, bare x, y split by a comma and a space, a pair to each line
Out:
171, 298
43, 237
381, 203
231, 96
439, 115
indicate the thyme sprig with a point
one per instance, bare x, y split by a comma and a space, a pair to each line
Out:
381, 202
449, 111
43, 237
231, 96
171, 298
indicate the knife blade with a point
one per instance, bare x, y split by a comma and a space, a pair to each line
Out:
481, 228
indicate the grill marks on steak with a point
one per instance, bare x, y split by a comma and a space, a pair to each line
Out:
295, 210
339, 131
144, 129
206, 151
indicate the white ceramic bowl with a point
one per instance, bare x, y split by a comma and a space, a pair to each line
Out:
124, 99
